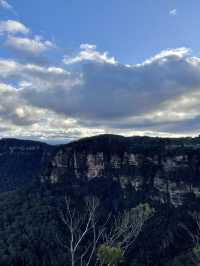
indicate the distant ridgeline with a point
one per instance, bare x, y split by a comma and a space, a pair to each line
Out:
121, 171
21, 161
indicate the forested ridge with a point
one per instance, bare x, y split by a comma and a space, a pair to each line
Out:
116, 185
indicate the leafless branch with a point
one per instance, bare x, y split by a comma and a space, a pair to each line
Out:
79, 227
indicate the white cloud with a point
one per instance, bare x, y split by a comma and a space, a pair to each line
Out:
40, 77
29, 47
20, 119
32, 46
160, 96
5, 4
135, 97
87, 46
13, 27
12, 108
173, 12
89, 53
168, 54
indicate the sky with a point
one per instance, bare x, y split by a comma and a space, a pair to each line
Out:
72, 68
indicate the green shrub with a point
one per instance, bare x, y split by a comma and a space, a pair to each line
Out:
108, 255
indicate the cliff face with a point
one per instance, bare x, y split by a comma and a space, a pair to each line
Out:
163, 170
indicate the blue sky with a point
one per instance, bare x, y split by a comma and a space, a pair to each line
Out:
130, 30
91, 67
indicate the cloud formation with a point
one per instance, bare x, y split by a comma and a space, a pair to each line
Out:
159, 96
4, 4
90, 92
13, 27
31, 46
107, 91
88, 52
23, 44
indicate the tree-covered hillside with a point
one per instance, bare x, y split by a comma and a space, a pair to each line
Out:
139, 197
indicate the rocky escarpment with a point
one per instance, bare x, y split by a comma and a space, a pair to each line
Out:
164, 170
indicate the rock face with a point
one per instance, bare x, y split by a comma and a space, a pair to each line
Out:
165, 170
161, 170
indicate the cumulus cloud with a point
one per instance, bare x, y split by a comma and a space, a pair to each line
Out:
13, 27
29, 46
159, 96
88, 52
20, 119
23, 44
12, 108
113, 91
36, 76
163, 55
136, 97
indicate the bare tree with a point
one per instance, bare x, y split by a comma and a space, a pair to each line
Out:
80, 227
86, 237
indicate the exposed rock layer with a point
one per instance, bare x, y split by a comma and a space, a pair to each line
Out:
166, 170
